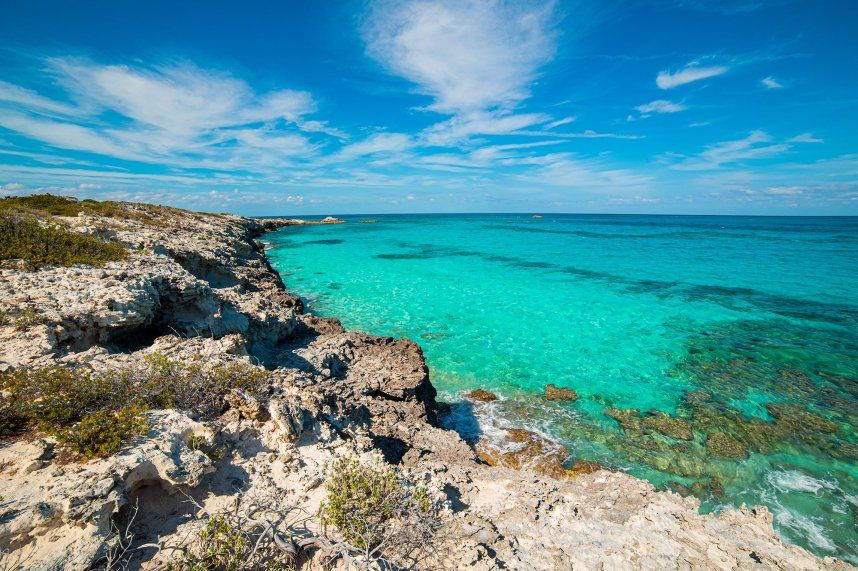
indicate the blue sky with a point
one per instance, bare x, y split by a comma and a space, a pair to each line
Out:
669, 106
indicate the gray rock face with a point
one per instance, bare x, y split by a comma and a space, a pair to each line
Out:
198, 289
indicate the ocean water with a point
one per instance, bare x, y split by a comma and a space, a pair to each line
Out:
708, 319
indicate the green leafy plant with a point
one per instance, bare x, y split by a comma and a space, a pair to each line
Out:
103, 432
212, 450
95, 413
50, 204
194, 387
377, 513
27, 318
223, 546
41, 245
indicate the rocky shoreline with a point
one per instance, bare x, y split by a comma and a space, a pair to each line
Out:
197, 290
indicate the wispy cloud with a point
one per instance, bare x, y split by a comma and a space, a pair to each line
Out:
660, 106
177, 114
496, 122
592, 175
467, 55
805, 138
377, 143
771, 83
17, 96
559, 122
757, 145
691, 72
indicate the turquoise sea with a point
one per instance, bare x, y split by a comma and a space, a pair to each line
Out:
742, 326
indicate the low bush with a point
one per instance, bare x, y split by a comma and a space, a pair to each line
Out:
50, 204
51, 245
21, 319
378, 514
193, 387
222, 545
212, 450
88, 413
27, 318
94, 413
103, 432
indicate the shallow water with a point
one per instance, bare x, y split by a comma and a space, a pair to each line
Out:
709, 319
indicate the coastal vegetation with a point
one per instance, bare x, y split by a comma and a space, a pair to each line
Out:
224, 545
52, 205
377, 513
95, 413
50, 244
32, 230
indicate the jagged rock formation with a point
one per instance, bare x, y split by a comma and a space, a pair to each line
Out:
197, 288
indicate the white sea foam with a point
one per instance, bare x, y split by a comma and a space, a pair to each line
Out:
806, 527
795, 481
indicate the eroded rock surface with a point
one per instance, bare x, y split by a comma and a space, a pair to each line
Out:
198, 289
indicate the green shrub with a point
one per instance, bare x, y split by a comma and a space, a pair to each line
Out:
223, 546
54, 397
27, 318
49, 204
52, 245
103, 432
21, 319
95, 413
194, 387
43, 203
88, 413
214, 451
376, 512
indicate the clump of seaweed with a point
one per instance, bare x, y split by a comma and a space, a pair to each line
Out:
652, 421
553, 392
720, 445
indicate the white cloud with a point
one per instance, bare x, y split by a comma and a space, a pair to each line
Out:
461, 127
377, 143
88, 186
567, 170
757, 145
466, 54
590, 134
13, 186
691, 72
637, 199
180, 99
660, 106
28, 99
296, 199
484, 155
173, 115
805, 138
771, 83
411, 197
557, 123
785, 190
65, 135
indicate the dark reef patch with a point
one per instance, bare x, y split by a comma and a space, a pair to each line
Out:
735, 298
326, 242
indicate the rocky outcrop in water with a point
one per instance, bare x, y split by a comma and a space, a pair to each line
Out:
197, 290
